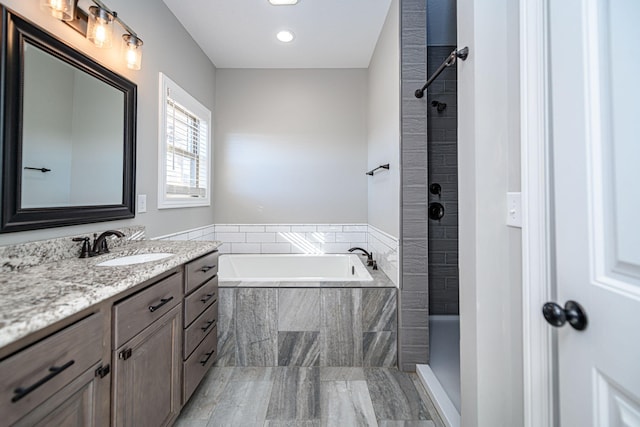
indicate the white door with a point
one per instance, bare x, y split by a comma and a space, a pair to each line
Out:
595, 152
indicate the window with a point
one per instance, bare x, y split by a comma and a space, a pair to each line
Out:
185, 135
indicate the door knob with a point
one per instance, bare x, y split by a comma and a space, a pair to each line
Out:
572, 313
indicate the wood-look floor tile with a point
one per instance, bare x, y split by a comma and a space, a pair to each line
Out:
346, 403
243, 403
333, 373
394, 395
295, 394
207, 395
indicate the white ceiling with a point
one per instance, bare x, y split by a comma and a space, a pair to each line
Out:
241, 33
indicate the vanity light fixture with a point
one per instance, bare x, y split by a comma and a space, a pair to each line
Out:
63, 10
283, 2
100, 27
97, 25
285, 36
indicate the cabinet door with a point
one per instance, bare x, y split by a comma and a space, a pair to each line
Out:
76, 405
147, 374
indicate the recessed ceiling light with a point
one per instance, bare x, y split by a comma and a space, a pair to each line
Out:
283, 2
285, 36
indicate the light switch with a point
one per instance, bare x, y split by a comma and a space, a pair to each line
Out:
514, 210
142, 203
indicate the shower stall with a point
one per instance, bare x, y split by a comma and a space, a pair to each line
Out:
429, 297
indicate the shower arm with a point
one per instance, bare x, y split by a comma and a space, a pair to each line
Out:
451, 59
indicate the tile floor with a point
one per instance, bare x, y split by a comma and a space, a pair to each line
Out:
309, 397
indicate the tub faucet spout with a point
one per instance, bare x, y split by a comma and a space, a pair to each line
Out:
368, 254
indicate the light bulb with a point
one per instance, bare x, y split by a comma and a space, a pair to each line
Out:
132, 47
59, 9
100, 27
100, 35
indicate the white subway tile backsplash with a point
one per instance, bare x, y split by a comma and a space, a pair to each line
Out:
303, 228
277, 228
195, 234
245, 248
261, 237
336, 248
356, 228
251, 228
231, 237
321, 237
330, 228
276, 248
208, 236
226, 228
351, 237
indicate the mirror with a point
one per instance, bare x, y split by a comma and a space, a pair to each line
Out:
68, 139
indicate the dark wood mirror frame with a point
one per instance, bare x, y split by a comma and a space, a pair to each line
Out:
14, 31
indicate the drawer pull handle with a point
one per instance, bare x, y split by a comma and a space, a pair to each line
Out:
208, 325
163, 301
204, 362
55, 370
207, 297
206, 268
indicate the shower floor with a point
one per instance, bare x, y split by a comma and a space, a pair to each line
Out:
442, 375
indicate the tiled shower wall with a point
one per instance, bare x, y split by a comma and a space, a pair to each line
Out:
443, 169
414, 292
300, 238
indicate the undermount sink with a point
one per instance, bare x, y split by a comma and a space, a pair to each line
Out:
134, 259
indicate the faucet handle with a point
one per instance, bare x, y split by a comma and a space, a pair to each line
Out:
85, 251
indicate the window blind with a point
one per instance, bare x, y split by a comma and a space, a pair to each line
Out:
186, 152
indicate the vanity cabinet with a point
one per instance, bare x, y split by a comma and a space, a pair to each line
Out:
200, 321
61, 380
147, 355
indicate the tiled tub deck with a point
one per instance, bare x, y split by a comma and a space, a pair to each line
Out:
321, 326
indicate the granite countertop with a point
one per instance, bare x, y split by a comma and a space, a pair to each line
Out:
39, 296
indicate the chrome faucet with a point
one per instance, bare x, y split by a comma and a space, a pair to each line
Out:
369, 255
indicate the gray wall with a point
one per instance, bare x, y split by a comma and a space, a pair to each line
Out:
384, 126
167, 48
291, 146
490, 252
443, 169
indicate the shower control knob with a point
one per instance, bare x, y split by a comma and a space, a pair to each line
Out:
573, 313
436, 211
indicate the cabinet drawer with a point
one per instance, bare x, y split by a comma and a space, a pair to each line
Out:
197, 365
140, 310
199, 329
198, 301
36, 373
200, 270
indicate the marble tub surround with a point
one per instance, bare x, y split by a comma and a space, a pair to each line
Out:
24, 255
309, 396
259, 326
38, 296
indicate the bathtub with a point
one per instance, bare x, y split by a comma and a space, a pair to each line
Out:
292, 267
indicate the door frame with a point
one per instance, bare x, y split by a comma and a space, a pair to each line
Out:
538, 347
